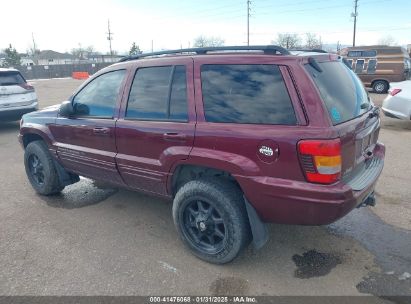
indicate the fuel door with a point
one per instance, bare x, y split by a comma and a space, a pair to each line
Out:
268, 151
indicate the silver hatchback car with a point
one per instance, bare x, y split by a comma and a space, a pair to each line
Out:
17, 97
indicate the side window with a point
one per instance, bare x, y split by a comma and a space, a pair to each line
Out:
359, 66
372, 65
158, 93
371, 53
98, 98
178, 98
249, 94
354, 53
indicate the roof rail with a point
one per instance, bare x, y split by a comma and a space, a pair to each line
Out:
309, 50
267, 49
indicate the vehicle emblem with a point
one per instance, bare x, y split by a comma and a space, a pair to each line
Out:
266, 151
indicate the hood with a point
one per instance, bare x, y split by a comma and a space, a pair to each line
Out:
47, 114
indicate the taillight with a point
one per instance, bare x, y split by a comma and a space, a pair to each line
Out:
394, 92
321, 160
26, 86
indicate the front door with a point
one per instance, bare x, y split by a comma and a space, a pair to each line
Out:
86, 141
156, 124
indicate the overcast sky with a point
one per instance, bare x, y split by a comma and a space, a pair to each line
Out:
63, 25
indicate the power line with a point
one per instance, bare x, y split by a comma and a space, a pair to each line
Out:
355, 14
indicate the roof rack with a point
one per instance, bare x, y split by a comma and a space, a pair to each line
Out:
267, 49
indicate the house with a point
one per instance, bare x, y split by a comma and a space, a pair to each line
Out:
49, 57
100, 58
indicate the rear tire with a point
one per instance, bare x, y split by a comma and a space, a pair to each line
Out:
40, 169
211, 219
380, 87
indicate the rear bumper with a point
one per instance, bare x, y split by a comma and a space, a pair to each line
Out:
301, 203
15, 113
394, 114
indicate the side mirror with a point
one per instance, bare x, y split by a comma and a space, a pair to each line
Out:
66, 109
81, 109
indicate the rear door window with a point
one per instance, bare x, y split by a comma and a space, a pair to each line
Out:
341, 90
158, 93
11, 78
246, 94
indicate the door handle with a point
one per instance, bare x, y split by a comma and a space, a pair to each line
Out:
174, 136
101, 131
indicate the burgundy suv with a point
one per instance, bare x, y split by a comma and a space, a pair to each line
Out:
235, 139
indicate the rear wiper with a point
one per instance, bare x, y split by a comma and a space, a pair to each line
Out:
365, 105
315, 64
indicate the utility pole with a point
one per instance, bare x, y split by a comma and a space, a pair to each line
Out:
34, 49
248, 21
355, 15
109, 38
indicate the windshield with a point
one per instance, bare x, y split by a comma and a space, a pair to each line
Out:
10, 78
342, 91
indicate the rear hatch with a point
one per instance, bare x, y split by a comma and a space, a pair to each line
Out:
14, 91
351, 112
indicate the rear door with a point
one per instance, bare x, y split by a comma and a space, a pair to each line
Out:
157, 123
249, 116
350, 110
86, 141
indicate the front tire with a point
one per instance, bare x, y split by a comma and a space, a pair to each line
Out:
380, 86
211, 219
40, 169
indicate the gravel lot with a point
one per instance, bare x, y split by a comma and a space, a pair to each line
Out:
95, 240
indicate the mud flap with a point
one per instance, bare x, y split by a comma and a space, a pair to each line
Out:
258, 228
66, 178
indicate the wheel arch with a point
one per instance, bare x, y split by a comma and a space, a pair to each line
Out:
185, 172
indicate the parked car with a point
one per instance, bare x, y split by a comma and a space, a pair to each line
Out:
398, 102
235, 139
17, 97
378, 65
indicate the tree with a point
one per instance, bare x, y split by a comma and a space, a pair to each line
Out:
203, 41
312, 42
135, 49
13, 59
288, 40
387, 40
82, 53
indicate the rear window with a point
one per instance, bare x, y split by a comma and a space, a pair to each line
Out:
11, 78
341, 90
246, 94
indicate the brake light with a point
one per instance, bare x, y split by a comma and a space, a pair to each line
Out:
321, 160
26, 86
394, 92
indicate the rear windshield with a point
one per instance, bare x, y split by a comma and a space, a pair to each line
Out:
11, 78
341, 90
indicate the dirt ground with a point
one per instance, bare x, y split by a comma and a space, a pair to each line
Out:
98, 240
